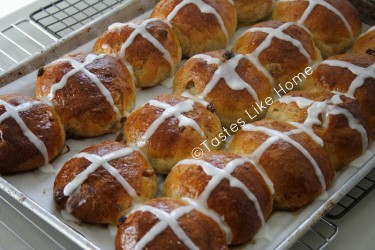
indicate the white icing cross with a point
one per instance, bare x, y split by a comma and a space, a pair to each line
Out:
362, 74
166, 220
226, 71
204, 8
212, 214
101, 161
368, 31
13, 112
314, 3
326, 108
171, 111
275, 136
273, 33
140, 29
81, 67
218, 175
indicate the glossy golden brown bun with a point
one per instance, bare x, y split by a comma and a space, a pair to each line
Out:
231, 84
282, 49
365, 43
298, 167
89, 103
199, 31
166, 137
149, 48
252, 11
227, 184
103, 181
334, 121
334, 27
31, 134
351, 74
182, 224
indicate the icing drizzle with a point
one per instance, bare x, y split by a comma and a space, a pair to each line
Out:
166, 220
141, 29
204, 8
273, 33
325, 109
226, 71
275, 136
171, 111
218, 175
81, 67
101, 161
362, 74
311, 7
13, 112
200, 204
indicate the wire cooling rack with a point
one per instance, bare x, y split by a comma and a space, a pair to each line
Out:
360, 191
318, 237
27, 37
64, 16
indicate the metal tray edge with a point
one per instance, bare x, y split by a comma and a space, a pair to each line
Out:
129, 9
327, 205
46, 216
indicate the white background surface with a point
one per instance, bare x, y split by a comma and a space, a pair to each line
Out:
13, 5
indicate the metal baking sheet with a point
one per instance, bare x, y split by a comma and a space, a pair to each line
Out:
34, 189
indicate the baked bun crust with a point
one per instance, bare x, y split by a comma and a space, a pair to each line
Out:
351, 74
168, 128
365, 43
31, 134
296, 184
229, 82
291, 50
334, 121
90, 101
191, 228
227, 184
252, 11
98, 192
149, 48
333, 23
199, 31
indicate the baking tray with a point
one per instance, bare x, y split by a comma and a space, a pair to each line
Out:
33, 189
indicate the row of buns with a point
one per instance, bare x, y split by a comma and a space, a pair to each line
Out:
282, 156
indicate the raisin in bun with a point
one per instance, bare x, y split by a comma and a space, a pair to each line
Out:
280, 50
200, 25
228, 186
350, 74
103, 181
149, 48
333, 121
365, 43
167, 223
92, 93
298, 167
334, 24
169, 127
252, 11
31, 134
226, 80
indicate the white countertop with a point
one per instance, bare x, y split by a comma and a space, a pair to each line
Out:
10, 6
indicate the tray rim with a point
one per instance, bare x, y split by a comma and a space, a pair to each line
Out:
128, 9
